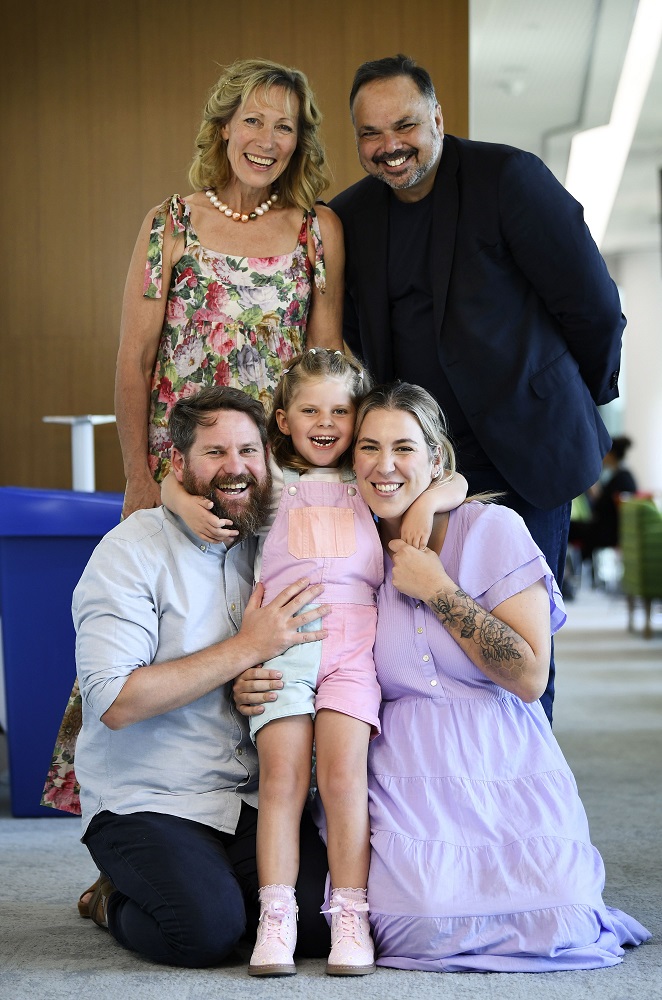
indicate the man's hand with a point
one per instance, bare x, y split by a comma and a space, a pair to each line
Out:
265, 632
255, 687
268, 631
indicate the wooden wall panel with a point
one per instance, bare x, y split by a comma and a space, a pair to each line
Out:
101, 101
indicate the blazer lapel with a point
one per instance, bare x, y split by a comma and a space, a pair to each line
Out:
445, 207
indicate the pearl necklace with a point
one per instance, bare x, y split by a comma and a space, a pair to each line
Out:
239, 216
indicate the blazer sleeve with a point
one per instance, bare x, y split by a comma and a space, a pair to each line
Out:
544, 229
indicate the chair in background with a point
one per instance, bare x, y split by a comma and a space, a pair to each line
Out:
641, 549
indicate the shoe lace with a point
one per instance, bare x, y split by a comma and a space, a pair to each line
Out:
272, 917
348, 910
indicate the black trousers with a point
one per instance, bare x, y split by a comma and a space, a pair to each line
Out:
187, 894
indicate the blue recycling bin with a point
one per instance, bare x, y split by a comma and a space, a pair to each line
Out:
46, 539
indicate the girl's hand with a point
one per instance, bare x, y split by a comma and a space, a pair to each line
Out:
440, 497
196, 511
416, 526
418, 573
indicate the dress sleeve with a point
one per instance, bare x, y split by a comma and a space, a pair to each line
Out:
319, 270
499, 559
178, 212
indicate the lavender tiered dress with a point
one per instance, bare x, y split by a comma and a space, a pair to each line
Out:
481, 857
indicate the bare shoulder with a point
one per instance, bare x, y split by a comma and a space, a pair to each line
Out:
331, 231
329, 221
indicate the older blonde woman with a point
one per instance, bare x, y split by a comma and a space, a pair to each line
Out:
225, 286
228, 283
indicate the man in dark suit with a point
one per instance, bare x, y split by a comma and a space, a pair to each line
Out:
470, 271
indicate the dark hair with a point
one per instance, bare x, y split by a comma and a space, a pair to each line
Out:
391, 66
194, 411
619, 446
316, 364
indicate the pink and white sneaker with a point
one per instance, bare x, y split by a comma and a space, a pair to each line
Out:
352, 950
276, 933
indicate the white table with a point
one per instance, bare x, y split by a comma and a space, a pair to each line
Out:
82, 446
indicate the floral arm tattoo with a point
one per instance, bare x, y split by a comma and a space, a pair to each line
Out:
465, 619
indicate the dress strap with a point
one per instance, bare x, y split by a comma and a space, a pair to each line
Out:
311, 230
179, 213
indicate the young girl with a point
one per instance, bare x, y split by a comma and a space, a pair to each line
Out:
324, 531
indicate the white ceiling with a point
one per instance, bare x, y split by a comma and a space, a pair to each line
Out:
541, 70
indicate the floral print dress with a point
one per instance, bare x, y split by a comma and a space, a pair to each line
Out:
229, 320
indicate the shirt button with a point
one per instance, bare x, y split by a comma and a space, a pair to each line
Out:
426, 658
239, 752
418, 604
351, 491
203, 548
419, 630
292, 490
233, 607
433, 684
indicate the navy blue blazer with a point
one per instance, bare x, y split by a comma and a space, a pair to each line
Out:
528, 319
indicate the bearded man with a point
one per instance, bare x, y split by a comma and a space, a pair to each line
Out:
164, 623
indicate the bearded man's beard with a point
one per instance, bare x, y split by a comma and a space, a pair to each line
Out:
247, 516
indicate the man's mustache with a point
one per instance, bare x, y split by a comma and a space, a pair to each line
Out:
233, 482
383, 157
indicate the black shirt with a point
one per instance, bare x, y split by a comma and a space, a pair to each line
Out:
415, 340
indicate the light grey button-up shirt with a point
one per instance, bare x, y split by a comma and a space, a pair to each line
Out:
153, 591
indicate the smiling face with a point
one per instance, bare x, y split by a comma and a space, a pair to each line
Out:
392, 463
320, 421
399, 135
262, 136
227, 464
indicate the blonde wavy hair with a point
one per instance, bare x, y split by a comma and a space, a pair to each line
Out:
306, 175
